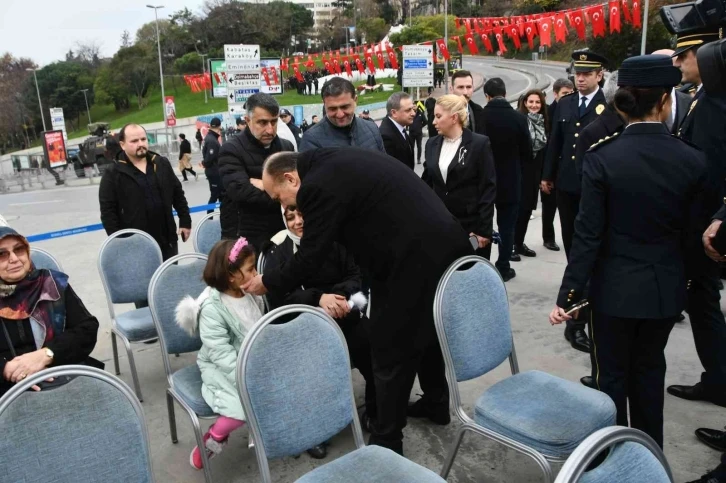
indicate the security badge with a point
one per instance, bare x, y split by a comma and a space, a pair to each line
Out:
583, 57
599, 109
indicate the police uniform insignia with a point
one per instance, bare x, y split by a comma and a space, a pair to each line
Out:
583, 57
602, 142
599, 109
693, 104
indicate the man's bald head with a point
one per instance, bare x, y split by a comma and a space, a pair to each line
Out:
668, 52
280, 178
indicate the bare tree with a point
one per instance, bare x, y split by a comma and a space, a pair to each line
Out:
125, 39
89, 52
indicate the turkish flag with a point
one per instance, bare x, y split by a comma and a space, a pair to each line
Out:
346, 64
478, 26
359, 65
514, 35
577, 20
520, 27
443, 49
296, 69
266, 76
530, 30
379, 57
275, 79
626, 11
636, 13
560, 28
336, 66
458, 44
614, 6
467, 24
597, 19
500, 39
369, 62
473, 49
457, 23
545, 26
393, 59
487, 42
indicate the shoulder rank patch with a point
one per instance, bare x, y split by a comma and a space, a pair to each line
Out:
602, 142
568, 94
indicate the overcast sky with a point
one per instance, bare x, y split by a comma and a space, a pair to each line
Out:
44, 30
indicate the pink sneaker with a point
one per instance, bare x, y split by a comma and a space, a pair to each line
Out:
213, 448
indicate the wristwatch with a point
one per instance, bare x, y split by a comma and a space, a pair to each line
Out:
49, 353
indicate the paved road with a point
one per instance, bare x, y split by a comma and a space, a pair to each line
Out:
539, 346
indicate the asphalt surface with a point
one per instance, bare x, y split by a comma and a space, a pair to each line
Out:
539, 346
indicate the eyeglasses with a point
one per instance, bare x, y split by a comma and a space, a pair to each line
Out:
19, 251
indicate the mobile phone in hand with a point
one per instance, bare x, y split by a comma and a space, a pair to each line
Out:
579, 305
474, 242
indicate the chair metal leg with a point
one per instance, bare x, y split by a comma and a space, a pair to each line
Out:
172, 417
115, 353
202, 450
132, 365
449, 461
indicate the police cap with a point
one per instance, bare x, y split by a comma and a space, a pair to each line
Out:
696, 39
585, 61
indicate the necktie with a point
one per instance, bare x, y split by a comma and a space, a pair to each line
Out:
405, 138
583, 107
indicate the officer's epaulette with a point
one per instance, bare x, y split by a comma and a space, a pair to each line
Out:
568, 94
601, 142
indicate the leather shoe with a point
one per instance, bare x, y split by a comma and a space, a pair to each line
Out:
712, 437
550, 245
508, 275
588, 381
696, 393
436, 413
680, 318
515, 256
318, 452
578, 339
526, 251
366, 422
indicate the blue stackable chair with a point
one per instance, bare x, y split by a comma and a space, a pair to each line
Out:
633, 458
126, 262
207, 233
170, 284
532, 412
295, 384
90, 429
43, 259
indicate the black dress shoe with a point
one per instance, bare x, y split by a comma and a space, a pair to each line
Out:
588, 381
526, 251
578, 339
318, 452
436, 413
515, 256
696, 393
508, 275
550, 245
680, 318
366, 422
712, 437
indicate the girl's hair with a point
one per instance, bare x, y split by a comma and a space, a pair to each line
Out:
455, 105
219, 268
522, 106
638, 102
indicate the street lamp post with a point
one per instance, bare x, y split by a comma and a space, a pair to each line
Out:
161, 73
446, 39
204, 69
85, 96
40, 103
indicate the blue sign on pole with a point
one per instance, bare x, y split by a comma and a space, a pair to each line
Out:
297, 111
416, 64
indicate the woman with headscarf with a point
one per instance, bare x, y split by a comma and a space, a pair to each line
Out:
44, 323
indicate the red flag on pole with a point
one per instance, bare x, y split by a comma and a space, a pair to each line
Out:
513, 31
636, 14
614, 6
544, 31
530, 31
443, 49
369, 62
266, 76
329, 67
458, 44
597, 19
275, 79
467, 24
577, 20
296, 69
487, 42
560, 28
336, 65
626, 11
473, 49
379, 57
500, 40
346, 64
359, 65
392, 58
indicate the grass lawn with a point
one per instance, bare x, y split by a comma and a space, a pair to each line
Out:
190, 104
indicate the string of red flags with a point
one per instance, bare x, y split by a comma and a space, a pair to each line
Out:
202, 82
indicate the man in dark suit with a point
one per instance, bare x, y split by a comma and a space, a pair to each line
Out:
401, 112
679, 100
572, 115
402, 237
415, 131
511, 145
462, 84
430, 104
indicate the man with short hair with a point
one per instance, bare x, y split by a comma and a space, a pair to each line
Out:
415, 131
398, 143
140, 189
679, 100
240, 125
246, 209
286, 117
572, 115
210, 160
314, 120
340, 127
462, 84
508, 132
560, 88
365, 114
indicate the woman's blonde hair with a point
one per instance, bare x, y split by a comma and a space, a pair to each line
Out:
454, 104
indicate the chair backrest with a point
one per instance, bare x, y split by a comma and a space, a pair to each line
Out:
634, 457
173, 280
208, 232
90, 429
43, 259
295, 383
471, 314
126, 262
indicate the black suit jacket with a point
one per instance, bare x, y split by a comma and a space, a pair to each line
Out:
641, 193
607, 124
560, 164
396, 146
471, 181
682, 101
511, 145
477, 114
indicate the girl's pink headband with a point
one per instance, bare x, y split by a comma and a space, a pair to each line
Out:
237, 248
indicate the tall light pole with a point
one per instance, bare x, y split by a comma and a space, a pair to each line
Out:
204, 68
446, 40
161, 72
645, 28
87, 109
40, 103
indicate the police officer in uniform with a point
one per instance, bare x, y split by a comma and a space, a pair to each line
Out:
640, 192
572, 114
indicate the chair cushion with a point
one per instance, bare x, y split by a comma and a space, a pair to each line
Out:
549, 414
628, 462
187, 383
136, 324
371, 464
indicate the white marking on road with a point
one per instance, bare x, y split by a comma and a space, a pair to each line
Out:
35, 203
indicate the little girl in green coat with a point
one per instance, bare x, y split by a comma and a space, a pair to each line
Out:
223, 314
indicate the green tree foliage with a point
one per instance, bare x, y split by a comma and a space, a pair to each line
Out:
374, 29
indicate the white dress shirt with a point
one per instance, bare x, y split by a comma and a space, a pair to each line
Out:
588, 98
400, 128
448, 152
